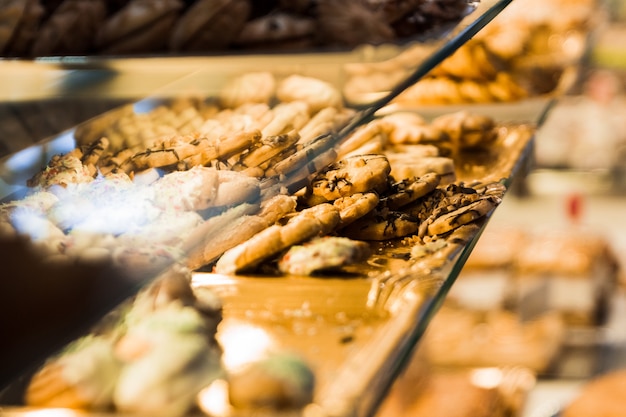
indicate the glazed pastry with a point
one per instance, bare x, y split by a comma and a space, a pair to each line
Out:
62, 170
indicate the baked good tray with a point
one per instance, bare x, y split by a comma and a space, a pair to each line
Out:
367, 326
356, 328
136, 76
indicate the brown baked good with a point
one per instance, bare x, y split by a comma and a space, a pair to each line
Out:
71, 28
579, 269
209, 25
603, 396
469, 338
27, 30
11, 13
477, 392
141, 26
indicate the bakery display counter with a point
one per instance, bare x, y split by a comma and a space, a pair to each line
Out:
232, 179
98, 81
351, 326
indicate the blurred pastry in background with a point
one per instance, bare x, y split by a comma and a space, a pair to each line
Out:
586, 131
459, 337
601, 396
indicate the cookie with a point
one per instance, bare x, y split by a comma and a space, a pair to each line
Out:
408, 190
355, 206
382, 225
460, 217
357, 174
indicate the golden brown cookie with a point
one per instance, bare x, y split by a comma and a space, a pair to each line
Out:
382, 225
461, 216
355, 206
410, 189
304, 225
356, 174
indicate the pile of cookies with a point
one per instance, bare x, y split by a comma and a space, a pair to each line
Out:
234, 182
33, 28
529, 49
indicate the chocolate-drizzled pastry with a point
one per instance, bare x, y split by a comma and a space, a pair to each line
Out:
142, 26
71, 28
26, 30
209, 25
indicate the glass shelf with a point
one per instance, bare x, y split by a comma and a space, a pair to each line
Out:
357, 346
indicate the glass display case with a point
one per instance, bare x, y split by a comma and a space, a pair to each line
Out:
356, 329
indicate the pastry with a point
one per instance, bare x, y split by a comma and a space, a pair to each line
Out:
250, 87
408, 166
167, 361
322, 254
352, 23
209, 25
11, 14
141, 26
603, 396
278, 30
356, 174
318, 94
280, 381
355, 206
306, 224
472, 338
26, 31
71, 29
410, 189
83, 376
381, 225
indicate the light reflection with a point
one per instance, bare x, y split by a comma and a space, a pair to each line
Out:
53, 412
243, 343
213, 400
487, 378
